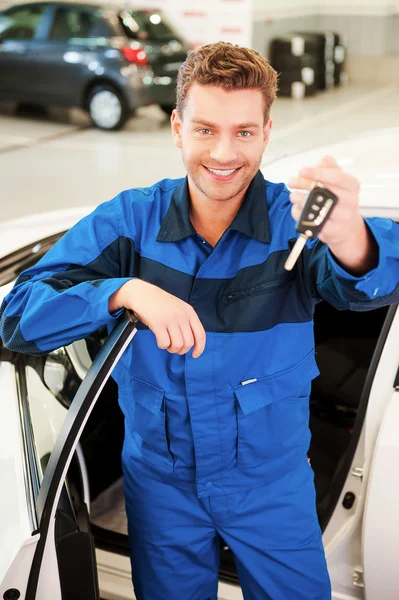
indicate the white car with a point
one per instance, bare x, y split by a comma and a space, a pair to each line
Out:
62, 521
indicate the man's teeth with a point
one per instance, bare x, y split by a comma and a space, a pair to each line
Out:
225, 173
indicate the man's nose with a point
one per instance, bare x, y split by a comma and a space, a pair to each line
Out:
223, 150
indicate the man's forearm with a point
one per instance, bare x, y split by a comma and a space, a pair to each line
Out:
118, 299
359, 253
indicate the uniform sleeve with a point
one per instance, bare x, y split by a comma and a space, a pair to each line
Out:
64, 297
379, 287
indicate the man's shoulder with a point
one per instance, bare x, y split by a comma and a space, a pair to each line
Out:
158, 192
277, 198
276, 192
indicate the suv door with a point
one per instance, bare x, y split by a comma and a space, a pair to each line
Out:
55, 559
19, 27
70, 54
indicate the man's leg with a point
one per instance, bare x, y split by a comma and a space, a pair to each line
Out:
275, 537
175, 549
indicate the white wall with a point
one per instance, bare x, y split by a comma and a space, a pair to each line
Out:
206, 21
279, 9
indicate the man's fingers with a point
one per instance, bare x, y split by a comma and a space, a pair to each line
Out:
188, 338
298, 197
328, 161
199, 336
296, 211
162, 337
300, 183
176, 338
329, 177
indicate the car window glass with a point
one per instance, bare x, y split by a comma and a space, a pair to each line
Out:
20, 24
149, 25
46, 413
78, 24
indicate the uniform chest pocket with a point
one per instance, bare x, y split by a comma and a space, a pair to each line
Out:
258, 289
273, 413
150, 422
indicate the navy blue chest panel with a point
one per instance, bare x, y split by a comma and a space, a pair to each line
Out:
257, 298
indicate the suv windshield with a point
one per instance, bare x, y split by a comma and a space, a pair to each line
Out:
147, 25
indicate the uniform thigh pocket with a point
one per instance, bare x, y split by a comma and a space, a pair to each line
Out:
273, 413
150, 422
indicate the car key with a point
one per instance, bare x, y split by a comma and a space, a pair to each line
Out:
315, 212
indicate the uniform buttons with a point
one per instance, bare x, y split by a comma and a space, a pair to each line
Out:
209, 484
204, 241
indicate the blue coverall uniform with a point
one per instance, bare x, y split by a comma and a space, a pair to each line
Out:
218, 444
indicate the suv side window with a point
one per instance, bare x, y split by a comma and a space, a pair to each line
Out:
75, 23
20, 23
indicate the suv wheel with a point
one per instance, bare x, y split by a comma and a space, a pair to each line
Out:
107, 108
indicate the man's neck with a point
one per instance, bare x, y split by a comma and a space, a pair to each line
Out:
211, 218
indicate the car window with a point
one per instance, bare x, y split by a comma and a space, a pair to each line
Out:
72, 23
151, 25
21, 23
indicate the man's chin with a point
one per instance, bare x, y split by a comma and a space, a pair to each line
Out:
224, 191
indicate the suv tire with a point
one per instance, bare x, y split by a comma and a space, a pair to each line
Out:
107, 108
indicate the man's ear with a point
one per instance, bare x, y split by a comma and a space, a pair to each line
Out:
177, 125
266, 133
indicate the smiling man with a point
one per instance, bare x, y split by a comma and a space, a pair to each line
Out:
216, 439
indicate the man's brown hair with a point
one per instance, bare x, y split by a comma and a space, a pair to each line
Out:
230, 67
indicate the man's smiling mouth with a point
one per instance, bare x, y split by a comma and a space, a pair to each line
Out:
222, 172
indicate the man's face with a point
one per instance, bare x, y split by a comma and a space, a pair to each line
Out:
221, 131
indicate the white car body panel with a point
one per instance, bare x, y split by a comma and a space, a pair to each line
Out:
15, 525
343, 538
371, 157
18, 573
353, 539
381, 522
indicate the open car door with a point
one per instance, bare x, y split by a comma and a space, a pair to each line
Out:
48, 551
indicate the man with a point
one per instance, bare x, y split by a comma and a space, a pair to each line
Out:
216, 438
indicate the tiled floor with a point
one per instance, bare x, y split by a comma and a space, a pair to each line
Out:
56, 160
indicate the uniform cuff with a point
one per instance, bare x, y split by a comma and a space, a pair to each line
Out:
372, 283
101, 298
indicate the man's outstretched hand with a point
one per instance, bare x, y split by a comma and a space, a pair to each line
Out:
345, 231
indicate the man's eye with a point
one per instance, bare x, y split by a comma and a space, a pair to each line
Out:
204, 131
245, 133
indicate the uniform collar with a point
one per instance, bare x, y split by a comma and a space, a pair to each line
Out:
251, 219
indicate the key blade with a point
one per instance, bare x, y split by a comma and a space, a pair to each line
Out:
295, 252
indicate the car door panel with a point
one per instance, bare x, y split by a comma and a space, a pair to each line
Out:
18, 520
65, 69
71, 54
19, 28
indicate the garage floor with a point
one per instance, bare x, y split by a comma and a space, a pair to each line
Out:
55, 160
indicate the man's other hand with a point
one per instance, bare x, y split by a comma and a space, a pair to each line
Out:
174, 323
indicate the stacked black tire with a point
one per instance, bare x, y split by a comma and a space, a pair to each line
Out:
307, 62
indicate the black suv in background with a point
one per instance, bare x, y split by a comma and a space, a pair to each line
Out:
107, 60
